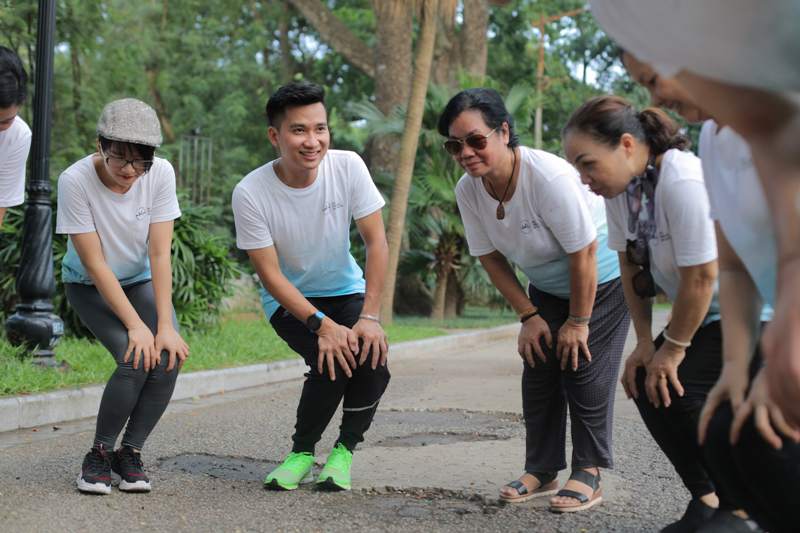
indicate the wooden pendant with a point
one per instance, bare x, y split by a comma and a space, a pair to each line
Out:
501, 212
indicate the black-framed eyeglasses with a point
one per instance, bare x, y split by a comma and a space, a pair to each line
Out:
644, 286
476, 142
116, 162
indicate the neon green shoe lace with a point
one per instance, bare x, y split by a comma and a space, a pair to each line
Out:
340, 458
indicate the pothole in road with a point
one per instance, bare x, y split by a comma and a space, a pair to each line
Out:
229, 468
460, 427
418, 504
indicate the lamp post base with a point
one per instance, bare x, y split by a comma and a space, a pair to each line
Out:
38, 331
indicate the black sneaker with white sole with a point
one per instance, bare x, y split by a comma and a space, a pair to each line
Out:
95, 473
127, 463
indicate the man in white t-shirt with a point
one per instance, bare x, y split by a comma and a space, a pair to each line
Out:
293, 218
15, 135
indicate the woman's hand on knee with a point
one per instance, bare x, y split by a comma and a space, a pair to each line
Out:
572, 338
767, 416
730, 387
170, 340
641, 356
141, 345
662, 371
530, 336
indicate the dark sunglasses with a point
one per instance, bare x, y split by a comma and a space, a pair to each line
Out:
476, 142
644, 286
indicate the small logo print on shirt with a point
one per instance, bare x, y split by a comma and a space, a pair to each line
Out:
140, 213
527, 226
327, 207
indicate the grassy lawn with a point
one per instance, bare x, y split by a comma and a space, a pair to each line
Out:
232, 343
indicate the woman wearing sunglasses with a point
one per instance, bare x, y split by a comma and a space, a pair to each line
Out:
529, 207
658, 218
118, 207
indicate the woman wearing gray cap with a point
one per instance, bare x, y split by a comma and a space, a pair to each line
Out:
118, 207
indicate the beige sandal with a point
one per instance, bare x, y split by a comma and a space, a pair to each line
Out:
585, 502
548, 485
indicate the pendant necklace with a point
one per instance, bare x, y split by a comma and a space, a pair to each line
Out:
501, 211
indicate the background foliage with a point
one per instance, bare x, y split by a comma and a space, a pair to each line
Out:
208, 67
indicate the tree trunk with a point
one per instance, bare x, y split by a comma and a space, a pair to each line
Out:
453, 296
447, 51
442, 276
287, 59
336, 33
408, 149
474, 39
152, 76
393, 60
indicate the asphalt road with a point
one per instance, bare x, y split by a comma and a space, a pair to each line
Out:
447, 436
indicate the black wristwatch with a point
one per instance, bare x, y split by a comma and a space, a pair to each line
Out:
314, 322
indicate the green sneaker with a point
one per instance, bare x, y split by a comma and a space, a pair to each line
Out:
295, 469
336, 474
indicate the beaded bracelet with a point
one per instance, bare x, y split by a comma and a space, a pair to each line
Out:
531, 309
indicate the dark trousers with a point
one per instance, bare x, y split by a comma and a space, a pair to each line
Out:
674, 428
133, 396
765, 481
321, 396
589, 391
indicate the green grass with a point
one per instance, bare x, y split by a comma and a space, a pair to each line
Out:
473, 317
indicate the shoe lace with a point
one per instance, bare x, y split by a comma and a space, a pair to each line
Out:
297, 462
100, 459
340, 458
130, 459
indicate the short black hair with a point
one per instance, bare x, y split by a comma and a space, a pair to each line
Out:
13, 79
294, 94
488, 102
126, 149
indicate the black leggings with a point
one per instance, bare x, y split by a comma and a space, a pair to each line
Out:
674, 428
133, 396
321, 396
766, 481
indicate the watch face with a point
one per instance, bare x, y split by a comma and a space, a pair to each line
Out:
313, 323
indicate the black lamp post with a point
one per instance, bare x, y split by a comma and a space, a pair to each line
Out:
34, 325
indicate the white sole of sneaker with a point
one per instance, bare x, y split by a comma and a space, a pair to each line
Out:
95, 488
139, 486
274, 485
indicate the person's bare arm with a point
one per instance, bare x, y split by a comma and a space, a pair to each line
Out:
372, 231
160, 251
335, 341
141, 340
533, 329
641, 310
691, 305
740, 307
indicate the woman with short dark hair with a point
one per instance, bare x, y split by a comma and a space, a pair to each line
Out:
529, 207
15, 135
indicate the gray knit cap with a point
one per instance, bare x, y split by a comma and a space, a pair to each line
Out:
131, 121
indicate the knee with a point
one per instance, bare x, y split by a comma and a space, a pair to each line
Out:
717, 445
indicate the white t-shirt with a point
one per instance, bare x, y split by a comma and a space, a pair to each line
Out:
550, 216
310, 227
738, 203
743, 42
122, 221
684, 231
15, 143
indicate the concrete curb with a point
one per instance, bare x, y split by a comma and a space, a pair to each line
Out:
52, 407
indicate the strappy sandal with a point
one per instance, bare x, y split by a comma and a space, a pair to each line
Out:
548, 485
586, 502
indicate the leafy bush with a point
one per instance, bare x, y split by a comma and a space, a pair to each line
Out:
202, 271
